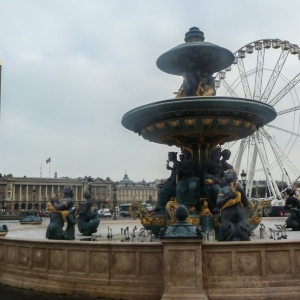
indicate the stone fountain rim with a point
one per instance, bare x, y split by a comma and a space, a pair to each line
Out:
130, 118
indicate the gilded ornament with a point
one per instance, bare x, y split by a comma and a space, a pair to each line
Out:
160, 126
173, 123
237, 122
207, 121
247, 124
223, 122
150, 128
190, 122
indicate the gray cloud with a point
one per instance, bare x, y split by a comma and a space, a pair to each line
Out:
71, 69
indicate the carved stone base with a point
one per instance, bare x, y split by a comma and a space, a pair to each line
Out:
183, 269
183, 296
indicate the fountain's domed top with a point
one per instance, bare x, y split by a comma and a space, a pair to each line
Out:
195, 55
194, 35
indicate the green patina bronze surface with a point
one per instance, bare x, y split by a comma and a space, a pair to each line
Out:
195, 120
195, 54
182, 228
31, 219
198, 122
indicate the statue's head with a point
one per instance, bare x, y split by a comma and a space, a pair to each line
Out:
226, 153
230, 174
172, 156
291, 190
215, 153
186, 153
68, 191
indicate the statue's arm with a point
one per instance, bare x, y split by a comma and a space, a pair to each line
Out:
224, 196
244, 198
61, 205
210, 179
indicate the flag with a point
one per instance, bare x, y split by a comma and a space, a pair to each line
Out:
48, 160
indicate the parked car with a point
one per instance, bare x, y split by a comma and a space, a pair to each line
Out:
104, 213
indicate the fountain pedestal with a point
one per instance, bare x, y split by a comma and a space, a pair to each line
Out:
183, 269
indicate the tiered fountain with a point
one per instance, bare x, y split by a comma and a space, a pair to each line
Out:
197, 120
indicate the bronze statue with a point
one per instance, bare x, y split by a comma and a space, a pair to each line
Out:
292, 204
225, 156
167, 191
88, 221
212, 179
61, 209
188, 185
196, 82
231, 200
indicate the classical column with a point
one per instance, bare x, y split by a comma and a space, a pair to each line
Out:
20, 196
76, 196
82, 193
52, 191
27, 192
40, 193
14, 193
46, 192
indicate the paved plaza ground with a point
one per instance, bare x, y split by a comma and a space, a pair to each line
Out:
38, 232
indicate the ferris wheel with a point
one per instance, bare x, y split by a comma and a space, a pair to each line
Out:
267, 70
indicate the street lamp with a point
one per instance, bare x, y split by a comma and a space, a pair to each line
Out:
115, 200
90, 182
243, 176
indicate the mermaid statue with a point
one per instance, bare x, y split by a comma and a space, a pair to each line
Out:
88, 221
61, 210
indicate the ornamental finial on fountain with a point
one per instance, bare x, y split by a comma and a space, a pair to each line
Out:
194, 35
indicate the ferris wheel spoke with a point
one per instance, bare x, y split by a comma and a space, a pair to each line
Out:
239, 155
282, 112
284, 130
285, 90
259, 70
265, 163
228, 88
275, 74
278, 154
244, 78
252, 157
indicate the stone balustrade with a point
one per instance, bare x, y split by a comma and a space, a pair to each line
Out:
224, 270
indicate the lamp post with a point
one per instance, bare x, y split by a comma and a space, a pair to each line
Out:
243, 176
115, 200
90, 183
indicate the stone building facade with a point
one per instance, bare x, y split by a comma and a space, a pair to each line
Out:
130, 192
23, 193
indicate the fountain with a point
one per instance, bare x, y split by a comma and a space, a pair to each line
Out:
181, 265
198, 122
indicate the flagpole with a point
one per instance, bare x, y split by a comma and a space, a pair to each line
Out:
50, 166
0, 85
41, 171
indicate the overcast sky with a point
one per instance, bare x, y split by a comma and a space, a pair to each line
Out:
71, 69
